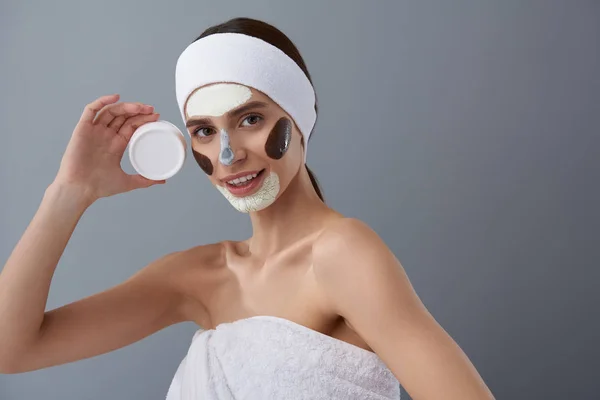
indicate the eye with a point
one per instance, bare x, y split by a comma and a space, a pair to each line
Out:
204, 132
251, 120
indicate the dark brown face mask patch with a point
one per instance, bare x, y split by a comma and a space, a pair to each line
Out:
203, 162
279, 139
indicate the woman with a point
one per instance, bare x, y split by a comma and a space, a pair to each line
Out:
313, 305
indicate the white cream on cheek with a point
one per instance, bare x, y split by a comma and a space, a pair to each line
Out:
216, 100
261, 199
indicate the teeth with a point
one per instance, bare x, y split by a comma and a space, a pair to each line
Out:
242, 179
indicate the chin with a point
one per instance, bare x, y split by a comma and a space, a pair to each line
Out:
259, 200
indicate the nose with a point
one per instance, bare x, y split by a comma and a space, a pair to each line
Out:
226, 156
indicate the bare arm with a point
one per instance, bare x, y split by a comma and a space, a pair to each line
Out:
369, 288
31, 338
25, 279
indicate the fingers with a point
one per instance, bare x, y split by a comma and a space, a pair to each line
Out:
117, 123
90, 111
112, 111
132, 123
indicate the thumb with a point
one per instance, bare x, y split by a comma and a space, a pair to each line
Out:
139, 182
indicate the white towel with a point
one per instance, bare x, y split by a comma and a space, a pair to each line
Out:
266, 357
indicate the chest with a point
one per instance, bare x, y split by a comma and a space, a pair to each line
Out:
283, 286
233, 288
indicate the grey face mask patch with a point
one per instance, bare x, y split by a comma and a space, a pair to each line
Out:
226, 154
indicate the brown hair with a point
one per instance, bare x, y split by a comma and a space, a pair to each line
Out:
275, 37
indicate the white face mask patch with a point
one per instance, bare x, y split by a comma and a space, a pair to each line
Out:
264, 197
216, 100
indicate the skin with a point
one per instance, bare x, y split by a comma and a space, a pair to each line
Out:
259, 133
330, 273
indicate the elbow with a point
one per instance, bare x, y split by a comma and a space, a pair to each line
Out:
10, 366
13, 363
18, 357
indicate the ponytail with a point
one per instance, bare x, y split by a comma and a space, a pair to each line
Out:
315, 183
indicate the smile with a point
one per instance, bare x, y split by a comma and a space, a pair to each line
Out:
242, 180
245, 184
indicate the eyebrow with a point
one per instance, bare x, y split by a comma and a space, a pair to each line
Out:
198, 121
233, 113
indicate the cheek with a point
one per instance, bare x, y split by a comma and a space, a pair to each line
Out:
203, 162
279, 139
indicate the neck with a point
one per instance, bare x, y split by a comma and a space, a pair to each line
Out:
298, 212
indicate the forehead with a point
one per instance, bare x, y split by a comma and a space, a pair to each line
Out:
217, 99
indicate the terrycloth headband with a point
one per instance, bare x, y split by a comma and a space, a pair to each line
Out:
243, 59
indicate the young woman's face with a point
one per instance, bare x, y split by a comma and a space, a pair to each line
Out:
247, 145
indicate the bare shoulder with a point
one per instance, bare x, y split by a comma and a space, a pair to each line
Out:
366, 284
344, 237
174, 266
187, 273
349, 248
339, 249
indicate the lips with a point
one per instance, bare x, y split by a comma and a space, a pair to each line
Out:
244, 188
239, 175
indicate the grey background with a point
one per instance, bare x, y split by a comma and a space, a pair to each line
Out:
465, 133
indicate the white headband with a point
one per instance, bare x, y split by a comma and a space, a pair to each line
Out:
243, 59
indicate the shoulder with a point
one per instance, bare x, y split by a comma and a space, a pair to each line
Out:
343, 239
188, 260
186, 276
344, 245
350, 260
201, 256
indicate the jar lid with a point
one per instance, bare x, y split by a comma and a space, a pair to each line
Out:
157, 150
